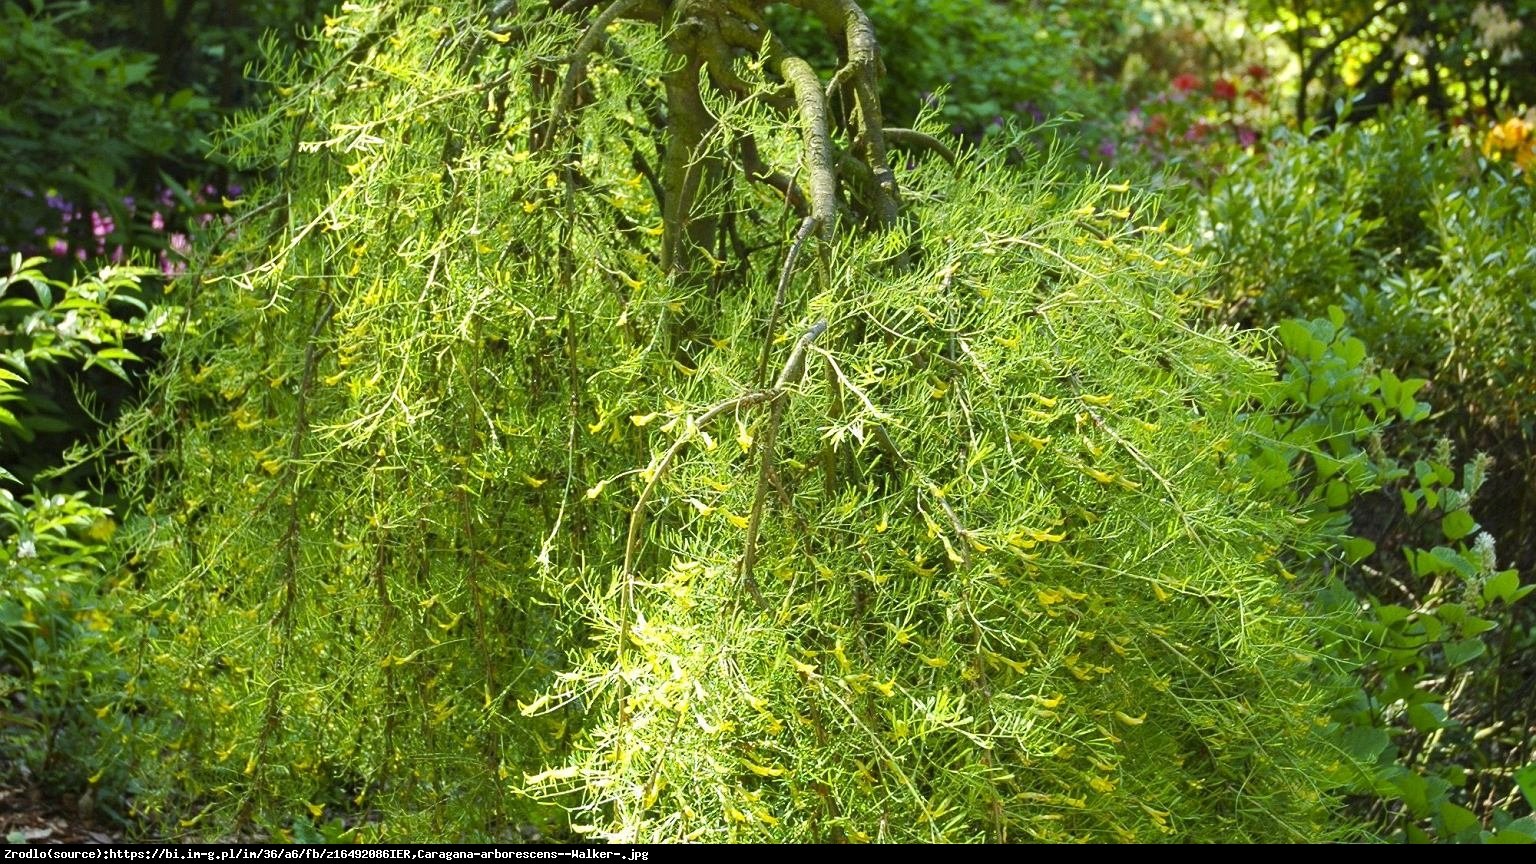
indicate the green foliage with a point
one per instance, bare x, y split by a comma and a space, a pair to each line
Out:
200, 45
53, 630
983, 63
1431, 632
58, 670
52, 335
1430, 250
1459, 58
82, 122
451, 492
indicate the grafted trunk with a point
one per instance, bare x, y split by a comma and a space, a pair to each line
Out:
710, 39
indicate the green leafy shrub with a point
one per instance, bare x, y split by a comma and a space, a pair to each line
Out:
54, 336
84, 123
199, 45
1431, 736
1458, 58
982, 63
59, 668
472, 501
1429, 249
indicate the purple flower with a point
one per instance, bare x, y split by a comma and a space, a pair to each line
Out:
180, 244
1030, 108
59, 248
1107, 148
235, 189
156, 221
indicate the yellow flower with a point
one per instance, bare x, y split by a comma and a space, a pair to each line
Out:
1511, 135
1516, 131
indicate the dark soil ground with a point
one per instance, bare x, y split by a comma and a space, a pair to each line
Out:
29, 814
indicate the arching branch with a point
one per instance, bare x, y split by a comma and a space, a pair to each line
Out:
911, 138
818, 144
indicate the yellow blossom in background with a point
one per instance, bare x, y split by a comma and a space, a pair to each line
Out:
1513, 140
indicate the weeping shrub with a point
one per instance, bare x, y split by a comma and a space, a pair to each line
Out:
593, 429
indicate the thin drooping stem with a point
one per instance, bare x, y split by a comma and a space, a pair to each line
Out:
581, 56
807, 225
789, 376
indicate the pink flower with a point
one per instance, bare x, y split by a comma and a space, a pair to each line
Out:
1224, 90
1186, 82
157, 221
1247, 136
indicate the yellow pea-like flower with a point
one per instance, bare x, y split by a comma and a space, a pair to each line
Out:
763, 770
1100, 476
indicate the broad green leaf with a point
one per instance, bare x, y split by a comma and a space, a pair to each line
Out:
1457, 524
1357, 549
1511, 836
1453, 561
1427, 716
1464, 651
1474, 626
1457, 818
1525, 778
1414, 790
1295, 336
1365, 744
1501, 586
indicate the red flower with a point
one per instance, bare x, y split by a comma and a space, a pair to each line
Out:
1157, 125
1257, 72
1224, 90
1185, 82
